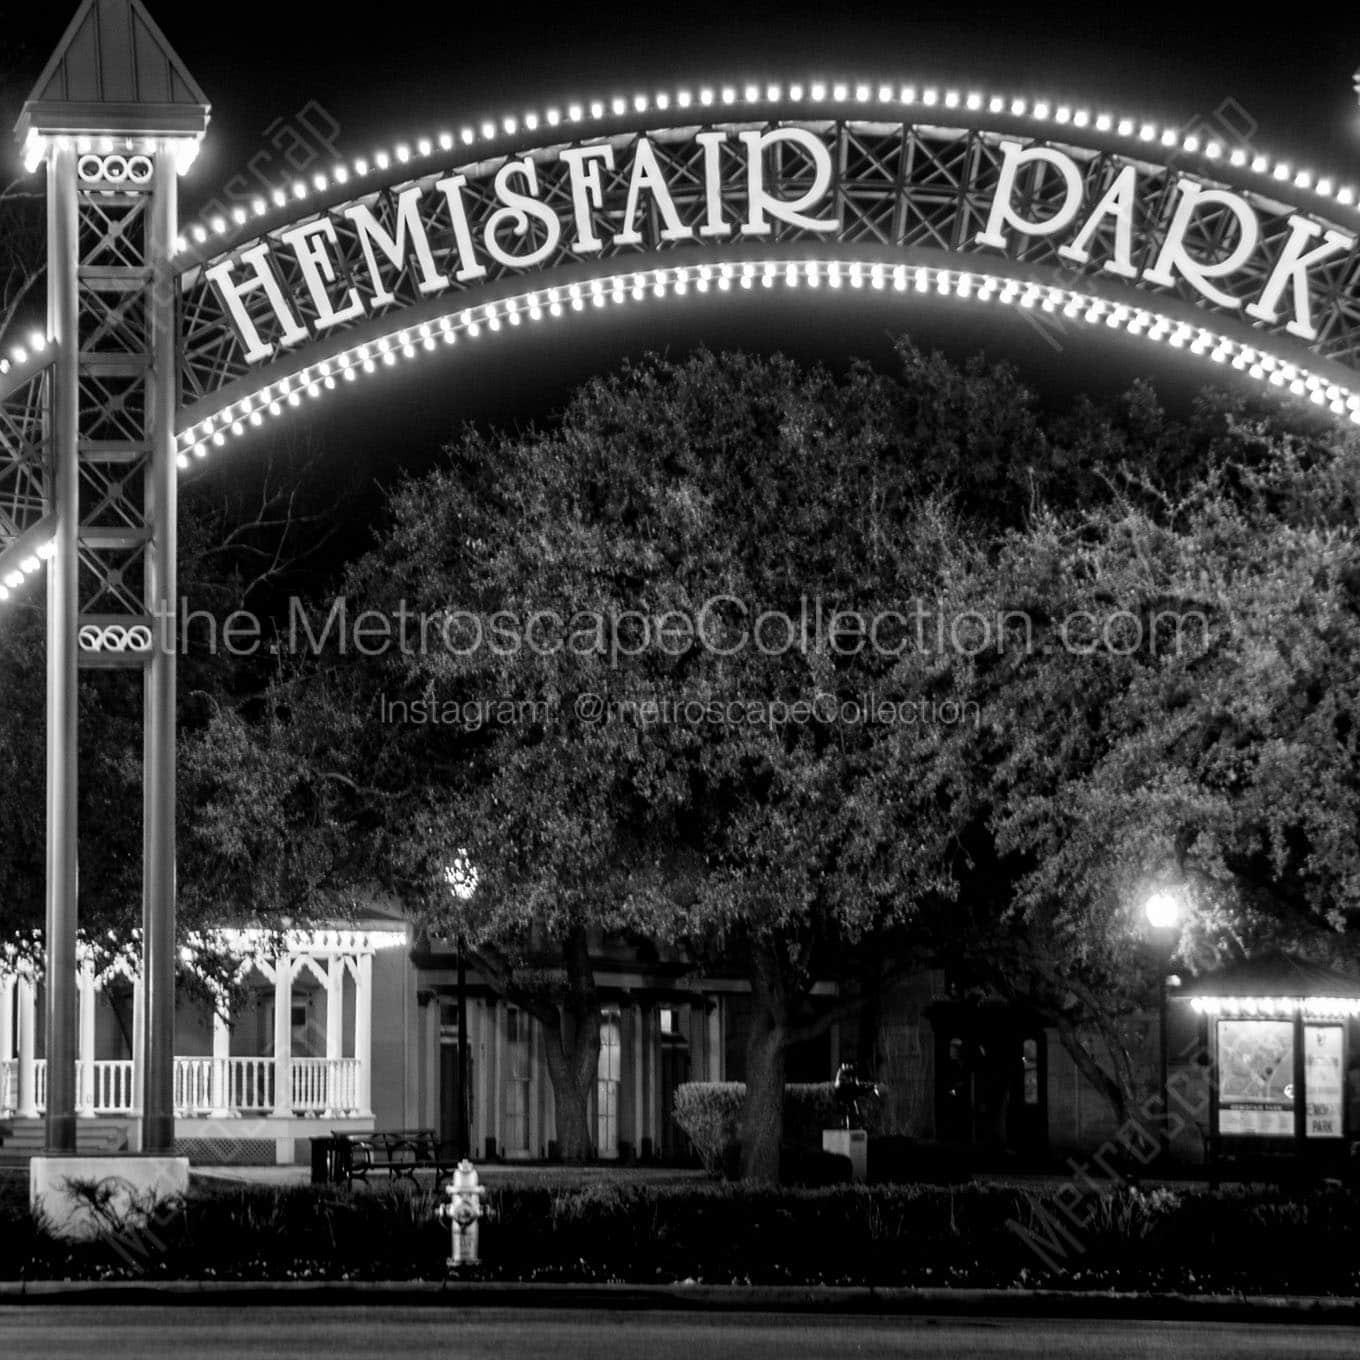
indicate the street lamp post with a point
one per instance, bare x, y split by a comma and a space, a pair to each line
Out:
462, 879
460, 1128
1163, 911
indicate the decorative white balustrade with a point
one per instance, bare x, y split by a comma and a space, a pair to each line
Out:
193, 1085
310, 1085
104, 1086
325, 1085
344, 1075
204, 1086
250, 1084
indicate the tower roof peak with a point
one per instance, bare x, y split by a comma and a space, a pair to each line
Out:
114, 72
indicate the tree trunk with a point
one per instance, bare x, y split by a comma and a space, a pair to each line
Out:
572, 1063
763, 1115
571, 1049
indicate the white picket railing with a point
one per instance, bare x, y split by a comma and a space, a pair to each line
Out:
193, 1085
310, 1085
250, 1085
344, 1077
105, 1086
203, 1086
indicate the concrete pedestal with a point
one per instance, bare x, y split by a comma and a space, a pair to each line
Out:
114, 1197
852, 1143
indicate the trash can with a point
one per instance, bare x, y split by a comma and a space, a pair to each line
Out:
330, 1160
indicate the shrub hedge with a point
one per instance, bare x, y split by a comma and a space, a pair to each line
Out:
710, 1114
978, 1235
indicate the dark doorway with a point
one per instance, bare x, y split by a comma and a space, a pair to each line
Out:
448, 1084
991, 1080
675, 1145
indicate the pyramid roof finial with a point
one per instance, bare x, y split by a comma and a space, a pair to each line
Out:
114, 72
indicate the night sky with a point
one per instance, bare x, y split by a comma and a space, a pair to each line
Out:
401, 70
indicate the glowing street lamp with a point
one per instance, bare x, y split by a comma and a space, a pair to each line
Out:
1163, 909
462, 879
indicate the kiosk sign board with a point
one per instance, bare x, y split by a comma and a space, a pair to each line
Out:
1323, 1080
1256, 1078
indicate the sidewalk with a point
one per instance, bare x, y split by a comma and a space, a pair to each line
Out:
699, 1298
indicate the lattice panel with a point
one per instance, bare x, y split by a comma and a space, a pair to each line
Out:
23, 451
113, 230
111, 581
113, 495
113, 319
113, 308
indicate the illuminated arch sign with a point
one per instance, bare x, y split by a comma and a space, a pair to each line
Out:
1107, 220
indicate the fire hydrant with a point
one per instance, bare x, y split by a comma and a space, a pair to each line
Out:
462, 1213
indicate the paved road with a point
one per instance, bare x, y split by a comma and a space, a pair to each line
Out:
78, 1332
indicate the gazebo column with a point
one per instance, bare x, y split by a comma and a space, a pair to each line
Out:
85, 992
221, 1056
138, 1048
283, 1036
7, 981
338, 1099
28, 1075
363, 1032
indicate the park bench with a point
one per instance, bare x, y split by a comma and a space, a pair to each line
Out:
400, 1153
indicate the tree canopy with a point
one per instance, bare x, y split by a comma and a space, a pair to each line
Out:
783, 669
721, 788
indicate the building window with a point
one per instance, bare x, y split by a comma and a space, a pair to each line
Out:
610, 1073
1030, 1059
666, 1020
516, 1080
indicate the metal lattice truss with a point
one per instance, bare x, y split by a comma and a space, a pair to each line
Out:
114, 284
26, 521
900, 192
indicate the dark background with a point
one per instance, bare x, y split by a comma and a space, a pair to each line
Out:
387, 71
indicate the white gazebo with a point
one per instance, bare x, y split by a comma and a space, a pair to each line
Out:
311, 1062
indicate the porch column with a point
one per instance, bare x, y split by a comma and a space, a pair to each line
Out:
337, 1098
28, 1018
85, 1051
221, 1057
496, 1075
138, 1044
283, 1036
6, 1037
363, 1032
639, 1108
653, 1041
713, 1068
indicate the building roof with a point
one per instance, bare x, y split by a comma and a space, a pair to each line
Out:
1275, 973
114, 72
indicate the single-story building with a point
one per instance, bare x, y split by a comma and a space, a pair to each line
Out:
355, 1027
